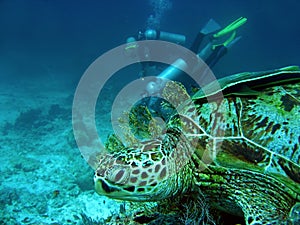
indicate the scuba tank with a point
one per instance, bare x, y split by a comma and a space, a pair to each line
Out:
151, 34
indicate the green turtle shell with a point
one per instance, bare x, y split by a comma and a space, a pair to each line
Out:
261, 120
249, 83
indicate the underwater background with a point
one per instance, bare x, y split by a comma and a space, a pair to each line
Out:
46, 46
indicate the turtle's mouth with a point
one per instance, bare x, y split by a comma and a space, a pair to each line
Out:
103, 187
107, 188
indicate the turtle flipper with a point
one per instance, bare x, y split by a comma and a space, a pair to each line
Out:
258, 219
261, 211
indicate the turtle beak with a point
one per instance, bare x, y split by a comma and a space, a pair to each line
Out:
103, 188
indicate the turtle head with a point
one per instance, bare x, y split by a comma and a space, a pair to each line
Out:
138, 173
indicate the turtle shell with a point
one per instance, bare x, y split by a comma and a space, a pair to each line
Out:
249, 83
260, 118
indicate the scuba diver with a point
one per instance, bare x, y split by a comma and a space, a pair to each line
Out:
218, 39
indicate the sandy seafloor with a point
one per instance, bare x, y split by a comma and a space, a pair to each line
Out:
44, 179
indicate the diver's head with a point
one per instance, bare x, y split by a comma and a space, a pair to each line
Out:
155, 87
152, 88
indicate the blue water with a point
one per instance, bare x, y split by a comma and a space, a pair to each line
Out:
69, 36
46, 46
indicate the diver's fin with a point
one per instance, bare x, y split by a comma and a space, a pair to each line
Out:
210, 27
231, 27
232, 42
228, 43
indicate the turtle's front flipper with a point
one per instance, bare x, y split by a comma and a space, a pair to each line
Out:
261, 211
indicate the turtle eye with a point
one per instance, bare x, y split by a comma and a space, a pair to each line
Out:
118, 175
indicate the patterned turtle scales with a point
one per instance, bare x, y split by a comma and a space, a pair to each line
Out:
241, 149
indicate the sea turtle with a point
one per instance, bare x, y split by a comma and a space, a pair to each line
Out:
241, 151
